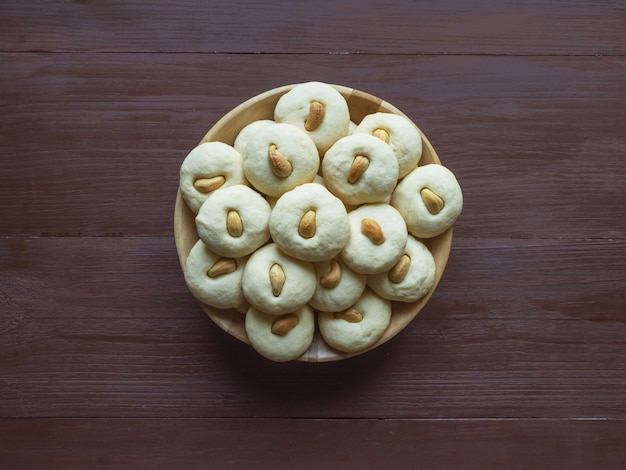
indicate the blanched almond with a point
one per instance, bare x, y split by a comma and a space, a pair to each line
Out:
382, 134
399, 270
284, 324
222, 266
316, 115
207, 185
307, 227
350, 315
277, 279
372, 230
279, 165
332, 278
434, 203
234, 224
358, 167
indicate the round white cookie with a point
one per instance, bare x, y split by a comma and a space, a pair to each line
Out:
360, 168
410, 278
358, 327
318, 109
430, 200
309, 223
338, 286
234, 221
378, 236
281, 338
277, 283
209, 166
401, 135
280, 157
213, 279
319, 180
272, 200
241, 141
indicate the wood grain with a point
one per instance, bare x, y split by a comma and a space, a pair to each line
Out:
198, 443
70, 277
104, 327
517, 361
398, 26
532, 140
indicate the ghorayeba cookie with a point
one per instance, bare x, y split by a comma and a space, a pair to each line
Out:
318, 109
410, 278
280, 157
429, 199
338, 286
309, 223
214, 279
234, 221
281, 337
277, 283
359, 169
399, 133
351, 127
208, 167
377, 239
241, 141
358, 327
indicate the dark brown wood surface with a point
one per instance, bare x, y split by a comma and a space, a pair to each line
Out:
517, 361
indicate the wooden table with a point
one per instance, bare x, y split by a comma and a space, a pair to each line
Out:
517, 361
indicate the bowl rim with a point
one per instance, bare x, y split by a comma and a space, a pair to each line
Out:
230, 319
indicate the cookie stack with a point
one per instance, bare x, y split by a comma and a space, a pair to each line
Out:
311, 219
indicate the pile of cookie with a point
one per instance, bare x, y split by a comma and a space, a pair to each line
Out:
311, 216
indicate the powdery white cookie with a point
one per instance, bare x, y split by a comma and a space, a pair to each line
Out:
319, 180
276, 347
277, 283
430, 200
364, 254
359, 169
293, 153
318, 109
272, 200
309, 223
410, 278
351, 336
338, 286
401, 135
234, 221
209, 166
213, 279
248, 131
351, 127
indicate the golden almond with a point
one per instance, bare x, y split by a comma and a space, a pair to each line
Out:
372, 230
207, 185
434, 203
277, 279
279, 165
350, 315
382, 134
222, 266
306, 227
234, 224
316, 114
332, 278
399, 270
358, 167
284, 324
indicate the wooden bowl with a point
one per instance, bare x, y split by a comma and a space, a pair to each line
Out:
226, 130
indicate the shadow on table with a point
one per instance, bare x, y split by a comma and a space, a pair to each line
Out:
298, 387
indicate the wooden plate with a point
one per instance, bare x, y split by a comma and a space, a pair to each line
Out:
226, 130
